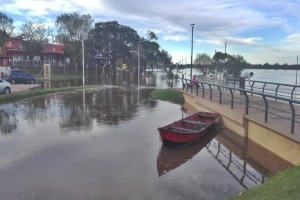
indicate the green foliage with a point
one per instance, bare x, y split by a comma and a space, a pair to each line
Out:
6, 27
114, 39
151, 35
171, 95
204, 60
76, 26
170, 75
233, 64
284, 185
32, 93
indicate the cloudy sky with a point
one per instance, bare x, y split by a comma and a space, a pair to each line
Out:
262, 31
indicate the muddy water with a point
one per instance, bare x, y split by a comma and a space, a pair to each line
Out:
104, 144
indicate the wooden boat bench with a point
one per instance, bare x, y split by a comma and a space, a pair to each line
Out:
206, 116
195, 122
183, 129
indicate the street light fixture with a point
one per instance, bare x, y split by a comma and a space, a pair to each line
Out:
192, 50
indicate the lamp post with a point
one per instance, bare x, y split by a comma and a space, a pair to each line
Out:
83, 80
297, 72
192, 51
139, 62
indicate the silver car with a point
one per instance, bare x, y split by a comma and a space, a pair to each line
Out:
5, 87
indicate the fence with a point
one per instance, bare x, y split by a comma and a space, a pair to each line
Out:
269, 104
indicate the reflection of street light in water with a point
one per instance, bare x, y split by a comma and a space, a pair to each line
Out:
83, 105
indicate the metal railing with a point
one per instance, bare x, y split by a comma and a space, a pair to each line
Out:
276, 89
266, 104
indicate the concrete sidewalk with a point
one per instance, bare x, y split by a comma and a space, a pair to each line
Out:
24, 87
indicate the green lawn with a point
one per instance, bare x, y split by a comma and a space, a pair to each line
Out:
171, 95
282, 186
31, 93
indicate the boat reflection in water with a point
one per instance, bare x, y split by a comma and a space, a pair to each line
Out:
170, 158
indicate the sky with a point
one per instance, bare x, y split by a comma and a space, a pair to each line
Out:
262, 31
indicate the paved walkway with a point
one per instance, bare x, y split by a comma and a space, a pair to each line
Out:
24, 87
278, 119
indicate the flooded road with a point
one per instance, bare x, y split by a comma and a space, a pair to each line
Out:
104, 144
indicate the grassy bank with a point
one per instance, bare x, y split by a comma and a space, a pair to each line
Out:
31, 93
284, 185
170, 95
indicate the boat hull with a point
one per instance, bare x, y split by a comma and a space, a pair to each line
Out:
187, 130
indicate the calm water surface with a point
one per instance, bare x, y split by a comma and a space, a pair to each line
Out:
104, 144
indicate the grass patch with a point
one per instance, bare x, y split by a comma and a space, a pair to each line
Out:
284, 185
171, 95
31, 93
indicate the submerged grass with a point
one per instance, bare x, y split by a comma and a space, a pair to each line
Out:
284, 185
31, 93
171, 95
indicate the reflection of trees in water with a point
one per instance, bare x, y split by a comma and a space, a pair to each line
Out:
77, 110
7, 122
106, 106
76, 118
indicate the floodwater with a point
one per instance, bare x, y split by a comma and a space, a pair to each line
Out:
103, 144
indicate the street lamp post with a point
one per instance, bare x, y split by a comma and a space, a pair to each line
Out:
83, 79
139, 62
297, 71
192, 51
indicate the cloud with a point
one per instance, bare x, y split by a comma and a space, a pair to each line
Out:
240, 23
293, 38
176, 38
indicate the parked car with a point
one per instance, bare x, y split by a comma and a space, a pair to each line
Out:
4, 87
19, 76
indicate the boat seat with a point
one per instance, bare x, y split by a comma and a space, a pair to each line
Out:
206, 116
183, 129
195, 122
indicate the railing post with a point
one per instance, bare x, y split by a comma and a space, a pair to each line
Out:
197, 88
231, 92
220, 100
276, 91
292, 94
266, 109
202, 90
247, 103
263, 89
293, 117
210, 92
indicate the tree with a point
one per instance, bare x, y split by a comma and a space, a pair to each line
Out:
75, 25
34, 36
165, 57
203, 60
6, 27
114, 40
77, 28
151, 36
233, 64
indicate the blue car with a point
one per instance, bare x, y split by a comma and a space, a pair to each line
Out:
19, 76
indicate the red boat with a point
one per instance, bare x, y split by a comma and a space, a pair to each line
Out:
170, 158
187, 130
